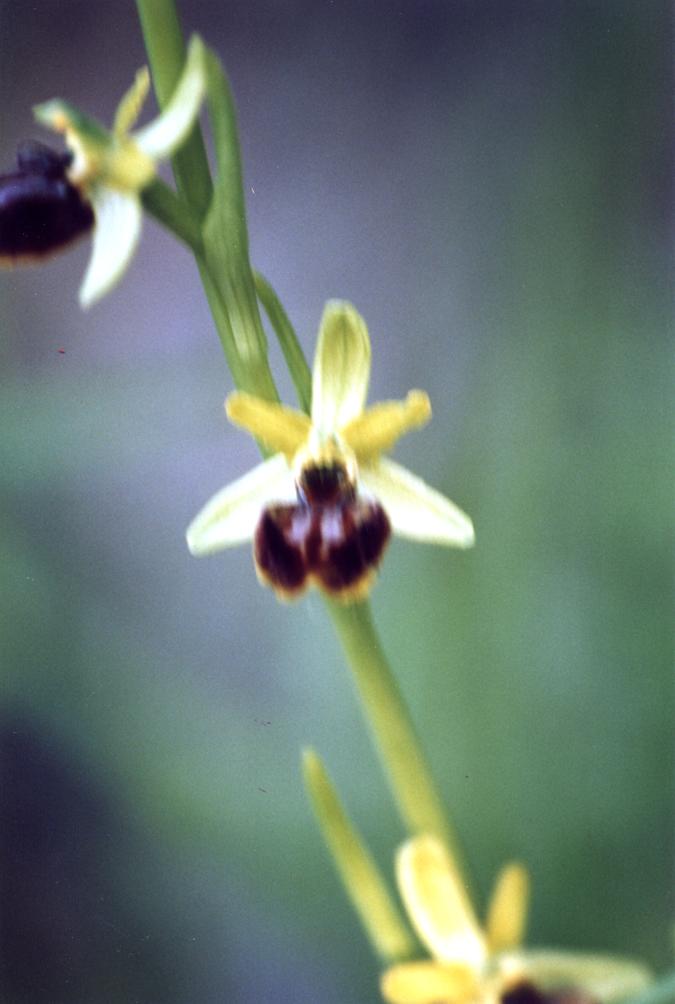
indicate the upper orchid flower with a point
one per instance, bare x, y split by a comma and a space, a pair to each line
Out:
110, 169
321, 509
471, 964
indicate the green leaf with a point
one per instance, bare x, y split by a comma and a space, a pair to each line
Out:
360, 876
301, 374
226, 240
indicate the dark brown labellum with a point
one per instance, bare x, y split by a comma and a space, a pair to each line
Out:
41, 212
336, 544
325, 484
527, 993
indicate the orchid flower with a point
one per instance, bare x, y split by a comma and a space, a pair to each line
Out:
321, 508
111, 169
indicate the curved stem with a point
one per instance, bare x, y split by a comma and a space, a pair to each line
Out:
409, 774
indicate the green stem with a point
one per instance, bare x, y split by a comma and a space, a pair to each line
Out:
228, 282
226, 237
412, 784
288, 340
172, 212
250, 374
165, 46
229, 290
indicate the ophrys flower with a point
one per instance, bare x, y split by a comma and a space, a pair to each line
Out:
320, 510
474, 964
110, 169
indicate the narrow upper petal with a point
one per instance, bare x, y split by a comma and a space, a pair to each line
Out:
132, 102
230, 517
166, 133
377, 429
606, 978
507, 913
427, 983
438, 903
282, 429
341, 368
117, 230
415, 509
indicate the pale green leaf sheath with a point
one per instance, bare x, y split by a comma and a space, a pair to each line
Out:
343, 432
111, 169
358, 871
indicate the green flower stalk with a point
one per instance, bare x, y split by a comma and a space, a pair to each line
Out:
405, 764
319, 511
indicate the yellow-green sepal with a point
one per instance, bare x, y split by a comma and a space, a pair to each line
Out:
341, 368
438, 903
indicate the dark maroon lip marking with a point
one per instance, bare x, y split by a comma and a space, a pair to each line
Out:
325, 484
330, 537
41, 212
527, 993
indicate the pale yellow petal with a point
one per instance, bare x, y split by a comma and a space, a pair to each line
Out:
165, 134
415, 509
377, 429
438, 903
606, 978
507, 912
427, 983
131, 104
281, 429
230, 517
341, 368
117, 230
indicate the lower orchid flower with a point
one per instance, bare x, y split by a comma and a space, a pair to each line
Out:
474, 964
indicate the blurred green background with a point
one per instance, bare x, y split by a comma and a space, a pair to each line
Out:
489, 183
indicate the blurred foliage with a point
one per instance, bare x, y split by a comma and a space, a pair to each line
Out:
489, 184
